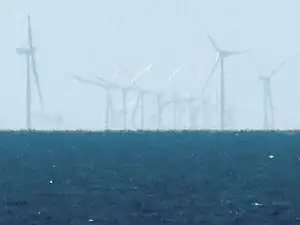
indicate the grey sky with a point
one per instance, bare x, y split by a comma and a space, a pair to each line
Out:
87, 38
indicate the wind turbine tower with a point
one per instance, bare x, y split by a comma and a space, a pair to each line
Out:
222, 55
268, 104
268, 123
160, 108
140, 103
29, 53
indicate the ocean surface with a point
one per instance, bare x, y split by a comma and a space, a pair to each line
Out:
149, 178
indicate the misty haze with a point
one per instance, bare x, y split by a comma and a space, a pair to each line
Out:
147, 65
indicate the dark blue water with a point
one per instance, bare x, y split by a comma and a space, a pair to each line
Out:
149, 178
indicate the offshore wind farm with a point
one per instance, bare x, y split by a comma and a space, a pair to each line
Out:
87, 87
193, 48
185, 99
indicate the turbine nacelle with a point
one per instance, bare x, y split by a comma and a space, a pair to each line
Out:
26, 51
265, 78
223, 53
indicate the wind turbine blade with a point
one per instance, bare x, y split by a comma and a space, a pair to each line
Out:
36, 76
21, 51
257, 66
82, 80
29, 30
108, 82
139, 74
211, 74
165, 104
135, 78
148, 68
171, 77
213, 42
238, 52
37, 81
276, 71
103, 80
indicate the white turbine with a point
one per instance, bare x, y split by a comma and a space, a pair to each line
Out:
141, 95
222, 55
268, 103
125, 89
29, 53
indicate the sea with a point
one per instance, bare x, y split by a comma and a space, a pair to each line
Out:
150, 178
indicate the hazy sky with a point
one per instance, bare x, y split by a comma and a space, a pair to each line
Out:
87, 38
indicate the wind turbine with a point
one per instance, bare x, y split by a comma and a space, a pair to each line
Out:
108, 120
141, 96
160, 105
29, 53
222, 55
141, 104
124, 90
268, 104
160, 108
203, 109
192, 102
159, 94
